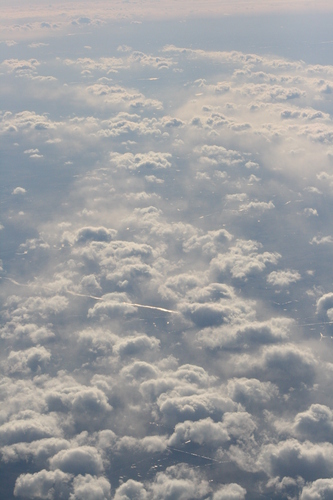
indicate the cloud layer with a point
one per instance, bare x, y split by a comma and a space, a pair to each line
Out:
166, 301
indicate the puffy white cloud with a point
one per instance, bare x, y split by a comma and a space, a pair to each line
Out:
36, 306
80, 460
251, 391
258, 206
87, 406
41, 449
206, 431
179, 482
287, 366
210, 314
90, 401
230, 491
20, 66
243, 259
121, 97
322, 488
175, 408
324, 240
90, 488
248, 335
19, 190
292, 458
113, 303
29, 426
42, 484
86, 234
149, 444
141, 162
314, 424
31, 360
131, 490
203, 432
135, 345
287, 486
283, 278
324, 304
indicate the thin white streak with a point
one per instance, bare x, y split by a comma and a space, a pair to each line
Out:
198, 456
84, 295
15, 282
153, 307
318, 324
142, 306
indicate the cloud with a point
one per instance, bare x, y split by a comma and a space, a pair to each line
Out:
144, 162
90, 401
36, 45
248, 335
34, 153
318, 489
283, 278
149, 444
86, 234
20, 66
243, 259
113, 303
230, 491
204, 315
90, 487
36, 306
179, 481
251, 391
29, 426
291, 458
322, 240
19, 190
131, 489
285, 486
135, 345
41, 484
259, 206
34, 359
324, 304
80, 460
193, 407
286, 366
39, 450
143, 59
214, 434
314, 424
86, 405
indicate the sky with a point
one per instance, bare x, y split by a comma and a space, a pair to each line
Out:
166, 190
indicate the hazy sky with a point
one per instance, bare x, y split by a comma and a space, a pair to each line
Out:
166, 184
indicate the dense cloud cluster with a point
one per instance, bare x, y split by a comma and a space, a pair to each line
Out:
166, 299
